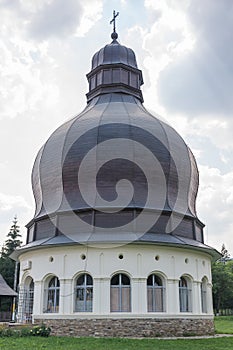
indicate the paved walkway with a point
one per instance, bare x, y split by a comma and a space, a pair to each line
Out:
199, 337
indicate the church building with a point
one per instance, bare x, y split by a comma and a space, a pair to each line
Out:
115, 247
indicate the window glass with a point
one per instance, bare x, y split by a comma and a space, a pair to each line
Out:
84, 294
120, 293
155, 294
52, 294
185, 294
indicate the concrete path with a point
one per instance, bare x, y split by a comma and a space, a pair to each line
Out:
199, 337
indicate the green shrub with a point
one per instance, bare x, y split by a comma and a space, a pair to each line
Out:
1, 330
7, 332
25, 332
40, 331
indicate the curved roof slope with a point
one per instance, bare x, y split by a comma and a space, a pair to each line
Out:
115, 172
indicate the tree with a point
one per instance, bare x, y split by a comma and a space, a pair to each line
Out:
222, 277
224, 253
7, 265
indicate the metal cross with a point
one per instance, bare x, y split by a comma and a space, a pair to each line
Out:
114, 20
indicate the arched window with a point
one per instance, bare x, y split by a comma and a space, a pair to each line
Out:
84, 293
155, 294
185, 295
52, 293
26, 300
204, 295
120, 293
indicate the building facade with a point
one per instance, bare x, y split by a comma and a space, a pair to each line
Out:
115, 247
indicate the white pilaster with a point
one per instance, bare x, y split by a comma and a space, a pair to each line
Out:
172, 296
67, 297
196, 298
101, 297
139, 295
38, 298
209, 297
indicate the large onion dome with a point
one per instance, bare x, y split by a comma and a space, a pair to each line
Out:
115, 172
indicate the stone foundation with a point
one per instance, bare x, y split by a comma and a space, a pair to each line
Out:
134, 327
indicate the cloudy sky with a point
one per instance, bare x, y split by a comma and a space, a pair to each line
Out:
185, 50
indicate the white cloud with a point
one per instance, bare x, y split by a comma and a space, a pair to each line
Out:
169, 38
212, 130
92, 12
200, 81
219, 131
22, 87
8, 202
56, 18
214, 205
10, 206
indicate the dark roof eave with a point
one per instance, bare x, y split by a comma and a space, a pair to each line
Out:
6, 290
182, 244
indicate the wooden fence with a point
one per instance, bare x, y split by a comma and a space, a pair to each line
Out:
5, 316
224, 312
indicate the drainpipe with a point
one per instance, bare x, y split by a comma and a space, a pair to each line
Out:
15, 287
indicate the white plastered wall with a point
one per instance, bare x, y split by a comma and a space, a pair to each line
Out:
102, 263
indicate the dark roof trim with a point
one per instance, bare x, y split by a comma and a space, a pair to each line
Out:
6, 290
152, 239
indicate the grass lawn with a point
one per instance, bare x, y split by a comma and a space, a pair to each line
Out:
222, 324
67, 343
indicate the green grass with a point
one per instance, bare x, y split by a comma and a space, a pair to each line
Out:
68, 343
224, 324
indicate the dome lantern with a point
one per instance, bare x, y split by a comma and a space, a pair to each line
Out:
114, 69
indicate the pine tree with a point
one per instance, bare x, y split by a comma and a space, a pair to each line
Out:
224, 253
13, 240
7, 265
222, 278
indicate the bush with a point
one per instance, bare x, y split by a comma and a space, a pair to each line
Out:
40, 331
8, 332
1, 330
25, 332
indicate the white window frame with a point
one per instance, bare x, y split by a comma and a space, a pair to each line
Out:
120, 291
155, 289
86, 291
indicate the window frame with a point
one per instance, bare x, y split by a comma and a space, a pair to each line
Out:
153, 307
120, 287
185, 294
52, 295
26, 300
84, 288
